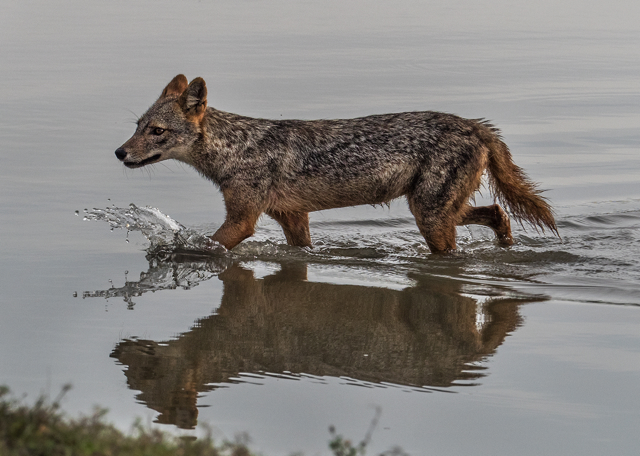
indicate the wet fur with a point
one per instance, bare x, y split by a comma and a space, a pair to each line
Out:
288, 168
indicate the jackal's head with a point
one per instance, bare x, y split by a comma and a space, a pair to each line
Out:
170, 127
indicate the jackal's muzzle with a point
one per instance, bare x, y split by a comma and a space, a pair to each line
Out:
121, 154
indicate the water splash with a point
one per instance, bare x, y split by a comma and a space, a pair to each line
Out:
164, 233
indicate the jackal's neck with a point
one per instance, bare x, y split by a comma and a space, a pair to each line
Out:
224, 138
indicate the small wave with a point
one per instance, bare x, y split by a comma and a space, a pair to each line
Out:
629, 219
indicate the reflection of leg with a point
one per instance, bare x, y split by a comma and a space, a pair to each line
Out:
289, 272
492, 216
503, 319
295, 226
236, 273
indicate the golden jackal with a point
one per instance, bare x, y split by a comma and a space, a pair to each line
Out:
288, 168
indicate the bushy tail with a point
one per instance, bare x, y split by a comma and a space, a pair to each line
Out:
511, 186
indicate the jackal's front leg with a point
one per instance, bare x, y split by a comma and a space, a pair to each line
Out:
239, 224
295, 226
232, 233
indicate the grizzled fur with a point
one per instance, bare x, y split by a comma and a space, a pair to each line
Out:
288, 168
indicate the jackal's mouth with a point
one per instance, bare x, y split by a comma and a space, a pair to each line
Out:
146, 161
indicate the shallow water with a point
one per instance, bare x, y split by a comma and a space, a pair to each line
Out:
533, 349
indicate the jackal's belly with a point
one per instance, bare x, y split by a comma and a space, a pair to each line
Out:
318, 193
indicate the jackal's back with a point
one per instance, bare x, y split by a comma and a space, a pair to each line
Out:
333, 163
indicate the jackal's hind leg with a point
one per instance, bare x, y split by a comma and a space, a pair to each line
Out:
440, 239
438, 228
295, 226
492, 216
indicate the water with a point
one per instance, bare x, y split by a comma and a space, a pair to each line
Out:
528, 350
600, 250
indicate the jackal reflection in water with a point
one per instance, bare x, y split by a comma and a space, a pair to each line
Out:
427, 335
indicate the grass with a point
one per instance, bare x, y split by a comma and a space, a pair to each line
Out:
43, 430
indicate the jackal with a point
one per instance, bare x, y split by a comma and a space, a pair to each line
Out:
288, 168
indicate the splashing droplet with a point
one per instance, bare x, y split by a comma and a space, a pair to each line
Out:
164, 233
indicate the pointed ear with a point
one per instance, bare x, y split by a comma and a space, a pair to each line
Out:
193, 101
176, 87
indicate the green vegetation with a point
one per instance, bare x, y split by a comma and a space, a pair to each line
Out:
43, 430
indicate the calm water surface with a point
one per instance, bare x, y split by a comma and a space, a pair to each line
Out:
529, 350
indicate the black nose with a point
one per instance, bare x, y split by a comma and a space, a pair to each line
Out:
121, 153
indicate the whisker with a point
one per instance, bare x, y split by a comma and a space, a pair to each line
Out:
134, 114
150, 170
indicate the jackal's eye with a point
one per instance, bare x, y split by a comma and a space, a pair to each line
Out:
157, 131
